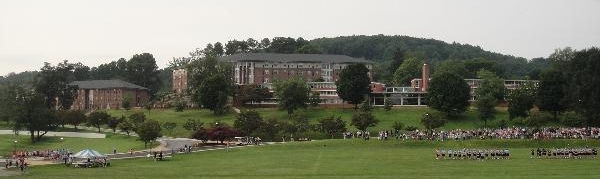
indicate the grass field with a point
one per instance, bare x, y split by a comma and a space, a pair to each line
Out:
343, 159
121, 142
410, 116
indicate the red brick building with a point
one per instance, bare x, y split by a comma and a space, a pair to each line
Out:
107, 94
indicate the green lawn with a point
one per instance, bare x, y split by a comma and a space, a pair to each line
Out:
121, 142
342, 159
410, 116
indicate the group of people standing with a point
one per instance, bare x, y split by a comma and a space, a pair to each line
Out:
564, 153
472, 154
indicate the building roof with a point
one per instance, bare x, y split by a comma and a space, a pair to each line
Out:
286, 58
106, 84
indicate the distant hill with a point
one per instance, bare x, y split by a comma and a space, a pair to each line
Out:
388, 52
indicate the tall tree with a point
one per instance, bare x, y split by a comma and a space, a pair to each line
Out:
53, 82
448, 93
211, 84
142, 70
32, 114
584, 84
353, 84
521, 100
149, 131
551, 92
247, 122
489, 92
98, 118
408, 70
291, 94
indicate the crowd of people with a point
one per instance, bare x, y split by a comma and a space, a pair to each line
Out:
472, 154
485, 133
564, 153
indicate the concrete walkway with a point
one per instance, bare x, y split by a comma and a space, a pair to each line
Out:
60, 134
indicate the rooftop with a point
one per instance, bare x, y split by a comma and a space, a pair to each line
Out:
106, 84
279, 57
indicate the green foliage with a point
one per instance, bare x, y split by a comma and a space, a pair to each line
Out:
584, 84
254, 93
453, 66
314, 99
211, 84
271, 128
387, 104
397, 126
142, 70
126, 126
292, 94
520, 100
97, 118
364, 118
31, 113
572, 119
332, 125
353, 84
491, 85
485, 107
53, 82
169, 126
179, 105
433, 120
491, 89
537, 119
148, 131
192, 125
136, 119
411, 128
474, 65
248, 122
126, 102
113, 122
448, 93
73, 117
409, 69
551, 92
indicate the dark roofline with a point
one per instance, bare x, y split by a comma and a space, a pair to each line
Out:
106, 84
281, 57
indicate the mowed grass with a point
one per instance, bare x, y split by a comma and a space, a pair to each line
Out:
410, 116
120, 142
340, 159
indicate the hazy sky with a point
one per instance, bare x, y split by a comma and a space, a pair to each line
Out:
96, 32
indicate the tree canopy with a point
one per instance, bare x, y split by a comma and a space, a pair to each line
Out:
211, 84
353, 84
448, 93
292, 94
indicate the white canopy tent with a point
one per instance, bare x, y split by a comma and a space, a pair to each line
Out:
88, 153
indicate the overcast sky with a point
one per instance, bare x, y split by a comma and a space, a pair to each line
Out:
96, 32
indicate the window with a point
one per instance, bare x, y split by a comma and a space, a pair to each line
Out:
275, 72
266, 72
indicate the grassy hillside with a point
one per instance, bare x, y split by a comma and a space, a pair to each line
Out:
410, 116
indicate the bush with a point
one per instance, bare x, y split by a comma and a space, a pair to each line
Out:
572, 119
537, 119
411, 128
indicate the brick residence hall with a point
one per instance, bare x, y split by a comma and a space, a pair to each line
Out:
107, 94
